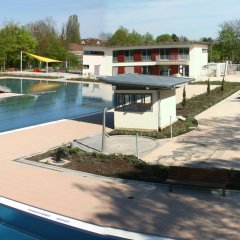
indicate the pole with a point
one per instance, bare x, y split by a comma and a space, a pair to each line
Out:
137, 151
104, 131
171, 126
21, 62
225, 70
47, 67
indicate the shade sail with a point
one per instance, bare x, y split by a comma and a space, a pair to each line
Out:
42, 59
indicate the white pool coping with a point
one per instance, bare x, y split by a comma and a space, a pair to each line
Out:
105, 231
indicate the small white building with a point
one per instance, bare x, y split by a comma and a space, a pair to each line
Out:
144, 102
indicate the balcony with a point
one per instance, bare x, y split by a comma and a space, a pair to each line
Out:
146, 58
173, 59
128, 58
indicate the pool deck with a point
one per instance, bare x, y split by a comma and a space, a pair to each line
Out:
184, 214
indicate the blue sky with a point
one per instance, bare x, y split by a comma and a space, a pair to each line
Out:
191, 18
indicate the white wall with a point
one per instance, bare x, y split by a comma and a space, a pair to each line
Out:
138, 120
105, 62
167, 107
156, 119
198, 58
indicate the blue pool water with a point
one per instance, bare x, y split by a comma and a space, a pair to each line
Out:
19, 225
45, 101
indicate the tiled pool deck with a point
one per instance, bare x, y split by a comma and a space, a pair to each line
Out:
184, 214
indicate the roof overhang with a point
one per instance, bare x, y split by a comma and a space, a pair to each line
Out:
146, 81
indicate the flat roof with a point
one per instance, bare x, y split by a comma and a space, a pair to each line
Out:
147, 81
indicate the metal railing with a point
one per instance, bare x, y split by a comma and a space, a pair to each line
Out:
179, 57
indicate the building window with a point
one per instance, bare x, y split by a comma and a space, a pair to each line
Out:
115, 56
146, 55
98, 53
128, 55
164, 70
165, 53
147, 70
85, 66
205, 50
133, 102
183, 53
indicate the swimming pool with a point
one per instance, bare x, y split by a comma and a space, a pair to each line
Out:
45, 101
22, 222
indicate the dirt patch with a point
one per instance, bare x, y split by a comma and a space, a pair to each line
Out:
112, 165
119, 166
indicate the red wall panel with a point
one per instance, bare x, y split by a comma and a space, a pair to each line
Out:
121, 56
137, 55
138, 69
174, 69
121, 70
173, 54
155, 70
155, 53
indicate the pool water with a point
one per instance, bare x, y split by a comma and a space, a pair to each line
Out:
19, 225
19, 221
45, 101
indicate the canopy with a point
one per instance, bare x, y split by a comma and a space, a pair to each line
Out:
43, 59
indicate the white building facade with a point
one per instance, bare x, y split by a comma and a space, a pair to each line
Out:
175, 59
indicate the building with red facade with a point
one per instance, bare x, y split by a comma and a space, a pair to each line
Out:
170, 59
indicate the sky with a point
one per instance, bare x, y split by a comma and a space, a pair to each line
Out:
191, 18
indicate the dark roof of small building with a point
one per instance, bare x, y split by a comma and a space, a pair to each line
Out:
75, 47
146, 81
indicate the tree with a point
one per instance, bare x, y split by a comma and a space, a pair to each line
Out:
119, 37
73, 30
13, 40
175, 37
148, 38
123, 36
49, 44
183, 39
104, 36
229, 43
164, 38
134, 38
208, 86
184, 100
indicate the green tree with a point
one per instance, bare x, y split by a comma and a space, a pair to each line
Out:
119, 37
208, 86
134, 38
164, 38
73, 30
184, 100
148, 38
104, 36
175, 37
13, 40
49, 44
229, 43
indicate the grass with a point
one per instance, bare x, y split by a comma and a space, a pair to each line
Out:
194, 106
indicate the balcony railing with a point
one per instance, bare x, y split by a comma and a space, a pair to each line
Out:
180, 57
128, 58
